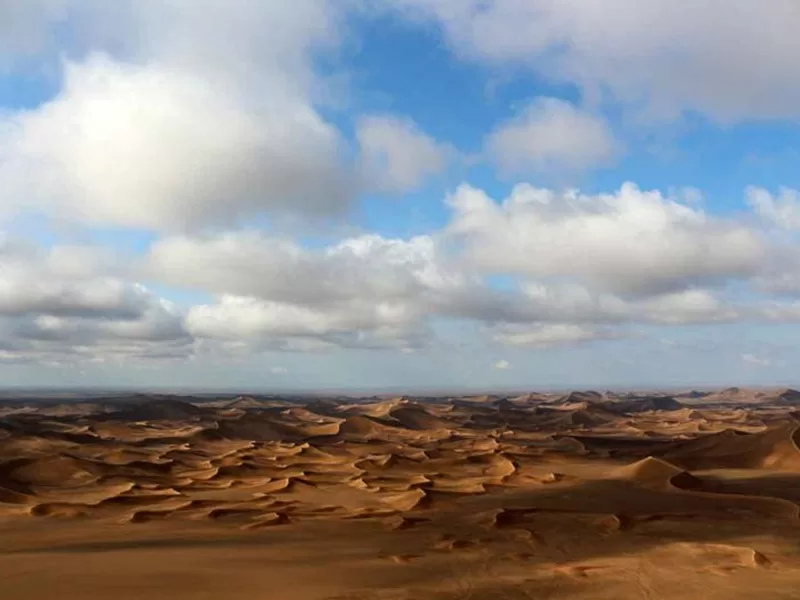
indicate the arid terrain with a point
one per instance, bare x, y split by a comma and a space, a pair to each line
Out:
584, 495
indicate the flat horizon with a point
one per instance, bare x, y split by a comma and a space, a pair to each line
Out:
368, 392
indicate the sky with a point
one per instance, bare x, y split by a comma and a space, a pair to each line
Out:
399, 194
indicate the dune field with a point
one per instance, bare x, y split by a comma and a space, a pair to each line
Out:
583, 495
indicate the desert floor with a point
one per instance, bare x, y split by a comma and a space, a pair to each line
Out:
585, 495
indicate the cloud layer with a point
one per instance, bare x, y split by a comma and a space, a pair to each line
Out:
586, 269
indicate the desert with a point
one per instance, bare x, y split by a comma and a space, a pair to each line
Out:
399, 300
575, 496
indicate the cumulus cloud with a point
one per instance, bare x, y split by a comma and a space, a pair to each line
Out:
630, 242
163, 123
502, 365
732, 61
50, 312
154, 148
378, 292
363, 291
551, 134
396, 155
367, 281
270, 293
57, 283
187, 121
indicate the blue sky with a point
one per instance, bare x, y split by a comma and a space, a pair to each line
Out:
428, 194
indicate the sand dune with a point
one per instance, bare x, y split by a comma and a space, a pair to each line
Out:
527, 496
657, 473
775, 448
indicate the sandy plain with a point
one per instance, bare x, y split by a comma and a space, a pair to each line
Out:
578, 496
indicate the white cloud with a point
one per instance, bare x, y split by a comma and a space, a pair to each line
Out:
62, 282
731, 60
75, 303
660, 54
365, 291
687, 306
362, 291
162, 122
779, 214
396, 155
370, 291
268, 46
52, 311
551, 134
279, 371
629, 242
561, 302
187, 120
758, 361
550, 335
156, 148
276, 324
782, 210
365, 269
